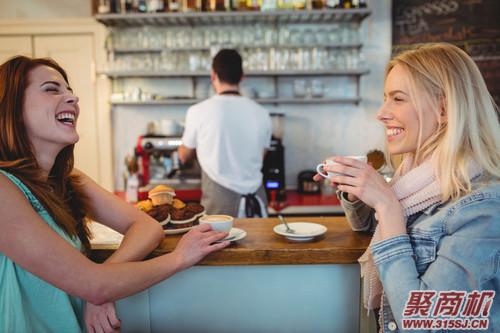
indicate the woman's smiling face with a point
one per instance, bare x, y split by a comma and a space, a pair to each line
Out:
50, 110
400, 117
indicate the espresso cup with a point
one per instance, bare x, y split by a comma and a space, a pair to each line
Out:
328, 175
222, 223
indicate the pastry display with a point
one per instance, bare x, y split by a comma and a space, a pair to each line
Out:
171, 212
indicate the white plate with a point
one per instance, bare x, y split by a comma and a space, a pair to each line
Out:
240, 234
182, 221
176, 231
304, 231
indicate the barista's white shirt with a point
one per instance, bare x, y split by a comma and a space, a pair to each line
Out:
230, 134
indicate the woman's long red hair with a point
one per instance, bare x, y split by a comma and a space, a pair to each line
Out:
60, 195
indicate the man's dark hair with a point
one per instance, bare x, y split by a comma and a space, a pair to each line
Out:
227, 64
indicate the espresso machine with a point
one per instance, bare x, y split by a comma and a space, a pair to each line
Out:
158, 162
273, 168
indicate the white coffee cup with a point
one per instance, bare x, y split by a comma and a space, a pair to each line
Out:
222, 223
328, 175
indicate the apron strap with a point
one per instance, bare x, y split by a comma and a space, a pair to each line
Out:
252, 206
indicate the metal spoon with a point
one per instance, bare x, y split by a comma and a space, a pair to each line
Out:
288, 229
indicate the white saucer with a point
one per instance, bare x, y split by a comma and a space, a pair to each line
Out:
239, 233
304, 231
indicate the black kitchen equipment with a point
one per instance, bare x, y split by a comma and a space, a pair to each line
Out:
273, 168
306, 184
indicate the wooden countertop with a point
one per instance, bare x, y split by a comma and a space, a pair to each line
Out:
261, 246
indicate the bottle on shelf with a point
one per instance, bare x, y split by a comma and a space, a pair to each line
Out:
143, 8
332, 4
240, 5
299, 4
362, 4
104, 7
346, 4
128, 6
285, 4
269, 5
174, 6
191, 5
155, 6
254, 4
135, 6
220, 5
317, 4
205, 5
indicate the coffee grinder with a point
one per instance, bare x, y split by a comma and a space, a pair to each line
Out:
273, 168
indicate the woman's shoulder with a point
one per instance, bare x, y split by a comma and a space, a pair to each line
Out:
481, 206
11, 185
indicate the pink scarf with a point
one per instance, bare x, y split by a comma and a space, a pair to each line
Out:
416, 190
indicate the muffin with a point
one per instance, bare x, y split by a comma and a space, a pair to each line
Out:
144, 205
196, 208
161, 195
160, 213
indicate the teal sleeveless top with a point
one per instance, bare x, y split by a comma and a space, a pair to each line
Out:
28, 303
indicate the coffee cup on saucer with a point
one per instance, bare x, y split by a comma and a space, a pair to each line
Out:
320, 167
222, 223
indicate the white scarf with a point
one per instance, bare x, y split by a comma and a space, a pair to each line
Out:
416, 190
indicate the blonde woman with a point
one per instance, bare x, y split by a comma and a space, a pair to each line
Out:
437, 223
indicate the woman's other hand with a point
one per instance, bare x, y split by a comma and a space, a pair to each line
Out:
318, 178
361, 180
101, 318
197, 243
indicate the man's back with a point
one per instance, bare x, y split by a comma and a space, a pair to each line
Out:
229, 133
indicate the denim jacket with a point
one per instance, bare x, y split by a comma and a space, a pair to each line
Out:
451, 246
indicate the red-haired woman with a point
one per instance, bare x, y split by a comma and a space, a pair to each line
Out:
44, 204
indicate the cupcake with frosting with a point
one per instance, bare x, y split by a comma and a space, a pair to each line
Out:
161, 195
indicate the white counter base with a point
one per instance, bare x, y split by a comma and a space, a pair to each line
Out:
248, 299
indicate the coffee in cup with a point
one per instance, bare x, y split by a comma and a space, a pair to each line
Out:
328, 175
222, 223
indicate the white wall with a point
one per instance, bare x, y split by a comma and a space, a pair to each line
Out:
44, 9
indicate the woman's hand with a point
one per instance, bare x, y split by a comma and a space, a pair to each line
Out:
197, 243
361, 180
101, 318
318, 178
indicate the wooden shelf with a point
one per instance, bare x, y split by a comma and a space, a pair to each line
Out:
326, 72
242, 17
290, 100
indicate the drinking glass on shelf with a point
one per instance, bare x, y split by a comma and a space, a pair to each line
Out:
284, 35
296, 37
317, 88
334, 34
236, 37
309, 37
270, 36
197, 38
306, 59
299, 88
224, 36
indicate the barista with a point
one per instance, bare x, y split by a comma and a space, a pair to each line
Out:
229, 133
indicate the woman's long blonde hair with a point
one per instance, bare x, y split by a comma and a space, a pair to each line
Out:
449, 79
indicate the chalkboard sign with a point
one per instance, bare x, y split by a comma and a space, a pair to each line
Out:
473, 25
